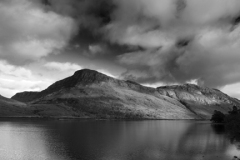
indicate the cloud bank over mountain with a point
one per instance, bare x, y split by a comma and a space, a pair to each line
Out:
181, 40
151, 42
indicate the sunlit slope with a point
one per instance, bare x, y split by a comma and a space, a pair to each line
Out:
200, 100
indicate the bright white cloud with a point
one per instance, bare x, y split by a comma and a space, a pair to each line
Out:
67, 68
62, 67
232, 90
15, 79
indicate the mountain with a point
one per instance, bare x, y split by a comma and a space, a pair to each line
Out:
10, 107
90, 94
25, 96
200, 100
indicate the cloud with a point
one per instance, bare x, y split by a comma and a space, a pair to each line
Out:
106, 72
67, 68
88, 14
212, 58
155, 41
180, 40
231, 90
28, 31
58, 70
15, 79
95, 49
204, 11
62, 67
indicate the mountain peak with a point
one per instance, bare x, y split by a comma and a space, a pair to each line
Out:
90, 76
85, 70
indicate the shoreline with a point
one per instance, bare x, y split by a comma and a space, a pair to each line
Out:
97, 119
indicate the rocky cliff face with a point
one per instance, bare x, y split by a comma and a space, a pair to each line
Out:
200, 100
92, 94
196, 94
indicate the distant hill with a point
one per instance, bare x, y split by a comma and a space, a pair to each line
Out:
25, 96
90, 94
10, 107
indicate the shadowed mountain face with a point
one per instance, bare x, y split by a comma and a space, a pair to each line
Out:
92, 94
25, 96
10, 107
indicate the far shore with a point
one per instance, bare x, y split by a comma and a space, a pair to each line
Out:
99, 119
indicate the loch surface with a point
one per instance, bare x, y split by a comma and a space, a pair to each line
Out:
114, 140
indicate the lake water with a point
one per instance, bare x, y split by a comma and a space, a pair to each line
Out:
114, 140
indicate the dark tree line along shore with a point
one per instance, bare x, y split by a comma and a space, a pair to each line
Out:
231, 122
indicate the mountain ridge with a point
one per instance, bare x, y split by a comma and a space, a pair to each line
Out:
82, 77
89, 93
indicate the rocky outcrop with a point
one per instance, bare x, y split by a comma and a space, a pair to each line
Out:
196, 94
91, 94
200, 100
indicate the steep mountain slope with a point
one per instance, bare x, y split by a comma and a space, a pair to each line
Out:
9, 107
200, 100
89, 93
92, 94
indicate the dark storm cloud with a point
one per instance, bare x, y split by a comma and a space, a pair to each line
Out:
91, 18
90, 15
160, 40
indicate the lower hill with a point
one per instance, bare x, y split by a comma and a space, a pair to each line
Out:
13, 108
90, 94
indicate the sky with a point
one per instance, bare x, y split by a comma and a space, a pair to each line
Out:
152, 42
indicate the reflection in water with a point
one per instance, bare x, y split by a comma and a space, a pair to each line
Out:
114, 140
218, 128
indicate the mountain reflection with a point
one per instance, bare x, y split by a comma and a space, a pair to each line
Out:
143, 140
114, 140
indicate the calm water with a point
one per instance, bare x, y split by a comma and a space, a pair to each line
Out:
113, 140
